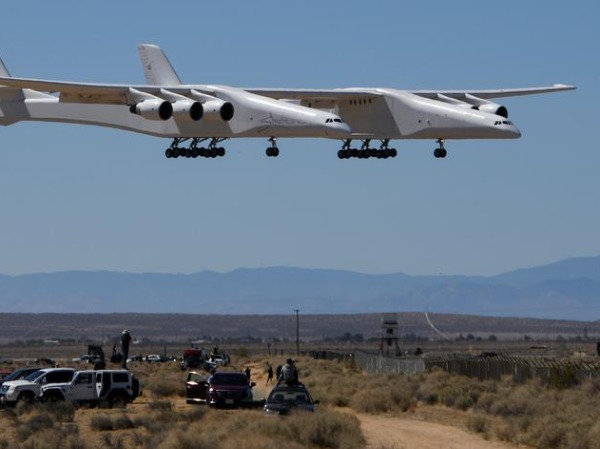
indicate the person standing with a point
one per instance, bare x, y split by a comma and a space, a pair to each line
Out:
269, 375
125, 340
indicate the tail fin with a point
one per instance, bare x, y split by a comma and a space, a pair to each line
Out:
157, 68
3, 70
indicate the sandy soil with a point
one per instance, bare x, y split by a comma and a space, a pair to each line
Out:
387, 432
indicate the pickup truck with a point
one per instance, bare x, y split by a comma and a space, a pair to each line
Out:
93, 387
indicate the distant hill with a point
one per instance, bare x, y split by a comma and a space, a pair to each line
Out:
566, 290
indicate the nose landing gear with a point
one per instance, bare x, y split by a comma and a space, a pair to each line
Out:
440, 152
272, 151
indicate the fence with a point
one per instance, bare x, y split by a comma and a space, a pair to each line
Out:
559, 373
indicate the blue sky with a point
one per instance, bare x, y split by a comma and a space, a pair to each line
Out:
75, 197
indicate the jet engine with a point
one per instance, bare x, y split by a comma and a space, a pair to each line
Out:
153, 109
218, 110
187, 110
486, 106
493, 108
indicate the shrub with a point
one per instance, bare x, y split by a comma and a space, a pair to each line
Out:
478, 424
101, 422
37, 423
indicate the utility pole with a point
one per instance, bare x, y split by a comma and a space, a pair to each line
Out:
297, 332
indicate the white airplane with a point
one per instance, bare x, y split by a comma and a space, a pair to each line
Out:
195, 113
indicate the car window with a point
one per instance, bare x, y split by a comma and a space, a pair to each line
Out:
229, 379
294, 396
120, 377
18, 374
84, 378
195, 377
33, 376
58, 377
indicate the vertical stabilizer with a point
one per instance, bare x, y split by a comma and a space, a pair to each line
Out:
3, 70
157, 68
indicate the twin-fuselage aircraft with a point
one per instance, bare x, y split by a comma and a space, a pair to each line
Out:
191, 114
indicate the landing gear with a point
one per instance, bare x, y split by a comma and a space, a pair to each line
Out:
441, 151
193, 151
366, 151
272, 151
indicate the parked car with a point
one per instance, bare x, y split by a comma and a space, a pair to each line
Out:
223, 389
154, 358
17, 374
29, 388
196, 388
86, 358
113, 387
220, 359
285, 398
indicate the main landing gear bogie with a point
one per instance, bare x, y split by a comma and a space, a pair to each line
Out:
365, 151
193, 151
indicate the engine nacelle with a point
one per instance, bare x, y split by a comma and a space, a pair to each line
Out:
153, 109
486, 106
493, 108
218, 110
187, 110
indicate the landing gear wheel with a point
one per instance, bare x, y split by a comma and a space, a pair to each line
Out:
168, 153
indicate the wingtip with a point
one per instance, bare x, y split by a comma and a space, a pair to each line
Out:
565, 86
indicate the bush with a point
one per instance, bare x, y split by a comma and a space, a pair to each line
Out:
101, 422
478, 424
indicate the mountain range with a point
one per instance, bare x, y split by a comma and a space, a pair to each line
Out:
564, 290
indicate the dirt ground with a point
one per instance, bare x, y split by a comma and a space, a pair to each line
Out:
387, 432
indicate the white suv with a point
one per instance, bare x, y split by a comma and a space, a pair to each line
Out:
29, 389
113, 387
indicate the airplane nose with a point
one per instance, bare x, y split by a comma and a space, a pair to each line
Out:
514, 132
339, 130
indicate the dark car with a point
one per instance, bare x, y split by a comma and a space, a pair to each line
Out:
285, 398
196, 388
18, 374
229, 389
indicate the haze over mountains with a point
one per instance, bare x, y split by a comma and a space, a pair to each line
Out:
566, 290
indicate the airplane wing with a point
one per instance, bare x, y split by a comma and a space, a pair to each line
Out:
70, 92
494, 93
336, 95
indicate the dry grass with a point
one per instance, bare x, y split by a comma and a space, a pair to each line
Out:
531, 414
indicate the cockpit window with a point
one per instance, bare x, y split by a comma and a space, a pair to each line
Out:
334, 120
502, 122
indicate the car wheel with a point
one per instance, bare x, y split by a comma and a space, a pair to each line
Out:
118, 400
26, 397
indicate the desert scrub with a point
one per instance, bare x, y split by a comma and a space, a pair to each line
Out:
39, 430
479, 424
304, 430
384, 394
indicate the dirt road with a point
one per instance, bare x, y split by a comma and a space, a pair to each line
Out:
383, 432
